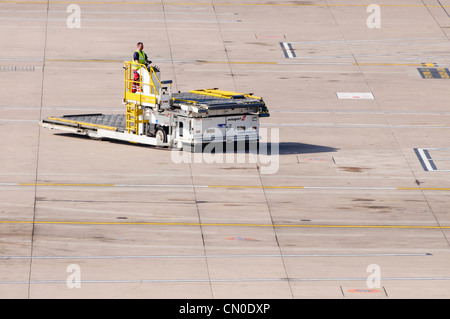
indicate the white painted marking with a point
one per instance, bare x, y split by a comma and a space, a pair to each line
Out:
358, 112
13, 121
425, 159
220, 280
338, 125
350, 188
288, 50
360, 96
213, 256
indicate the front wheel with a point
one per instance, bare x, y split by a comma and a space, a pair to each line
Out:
161, 136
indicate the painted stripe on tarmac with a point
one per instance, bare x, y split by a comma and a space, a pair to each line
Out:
288, 54
301, 125
128, 281
220, 224
356, 125
219, 4
216, 256
224, 186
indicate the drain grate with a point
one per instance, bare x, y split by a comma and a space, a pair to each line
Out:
17, 68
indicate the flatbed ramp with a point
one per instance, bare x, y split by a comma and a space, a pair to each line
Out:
116, 122
112, 126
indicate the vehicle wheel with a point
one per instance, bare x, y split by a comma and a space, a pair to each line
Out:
161, 136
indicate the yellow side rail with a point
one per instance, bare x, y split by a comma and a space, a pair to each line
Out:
263, 110
222, 93
134, 87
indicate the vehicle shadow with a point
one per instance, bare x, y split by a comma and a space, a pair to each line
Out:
281, 148
289, 148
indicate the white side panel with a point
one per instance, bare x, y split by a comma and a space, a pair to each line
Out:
146, 89
210, 128
165, 101
184, 128
145, 77
242, 125
161, 119
197, 132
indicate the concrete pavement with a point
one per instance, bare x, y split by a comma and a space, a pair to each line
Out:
348, 190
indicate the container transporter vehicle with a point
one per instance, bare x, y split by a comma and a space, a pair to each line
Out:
156, 116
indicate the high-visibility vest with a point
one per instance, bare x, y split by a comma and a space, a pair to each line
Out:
141, 59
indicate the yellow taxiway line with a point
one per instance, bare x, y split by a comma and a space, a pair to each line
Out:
237, 62
276, 4
221, 224
227, 186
